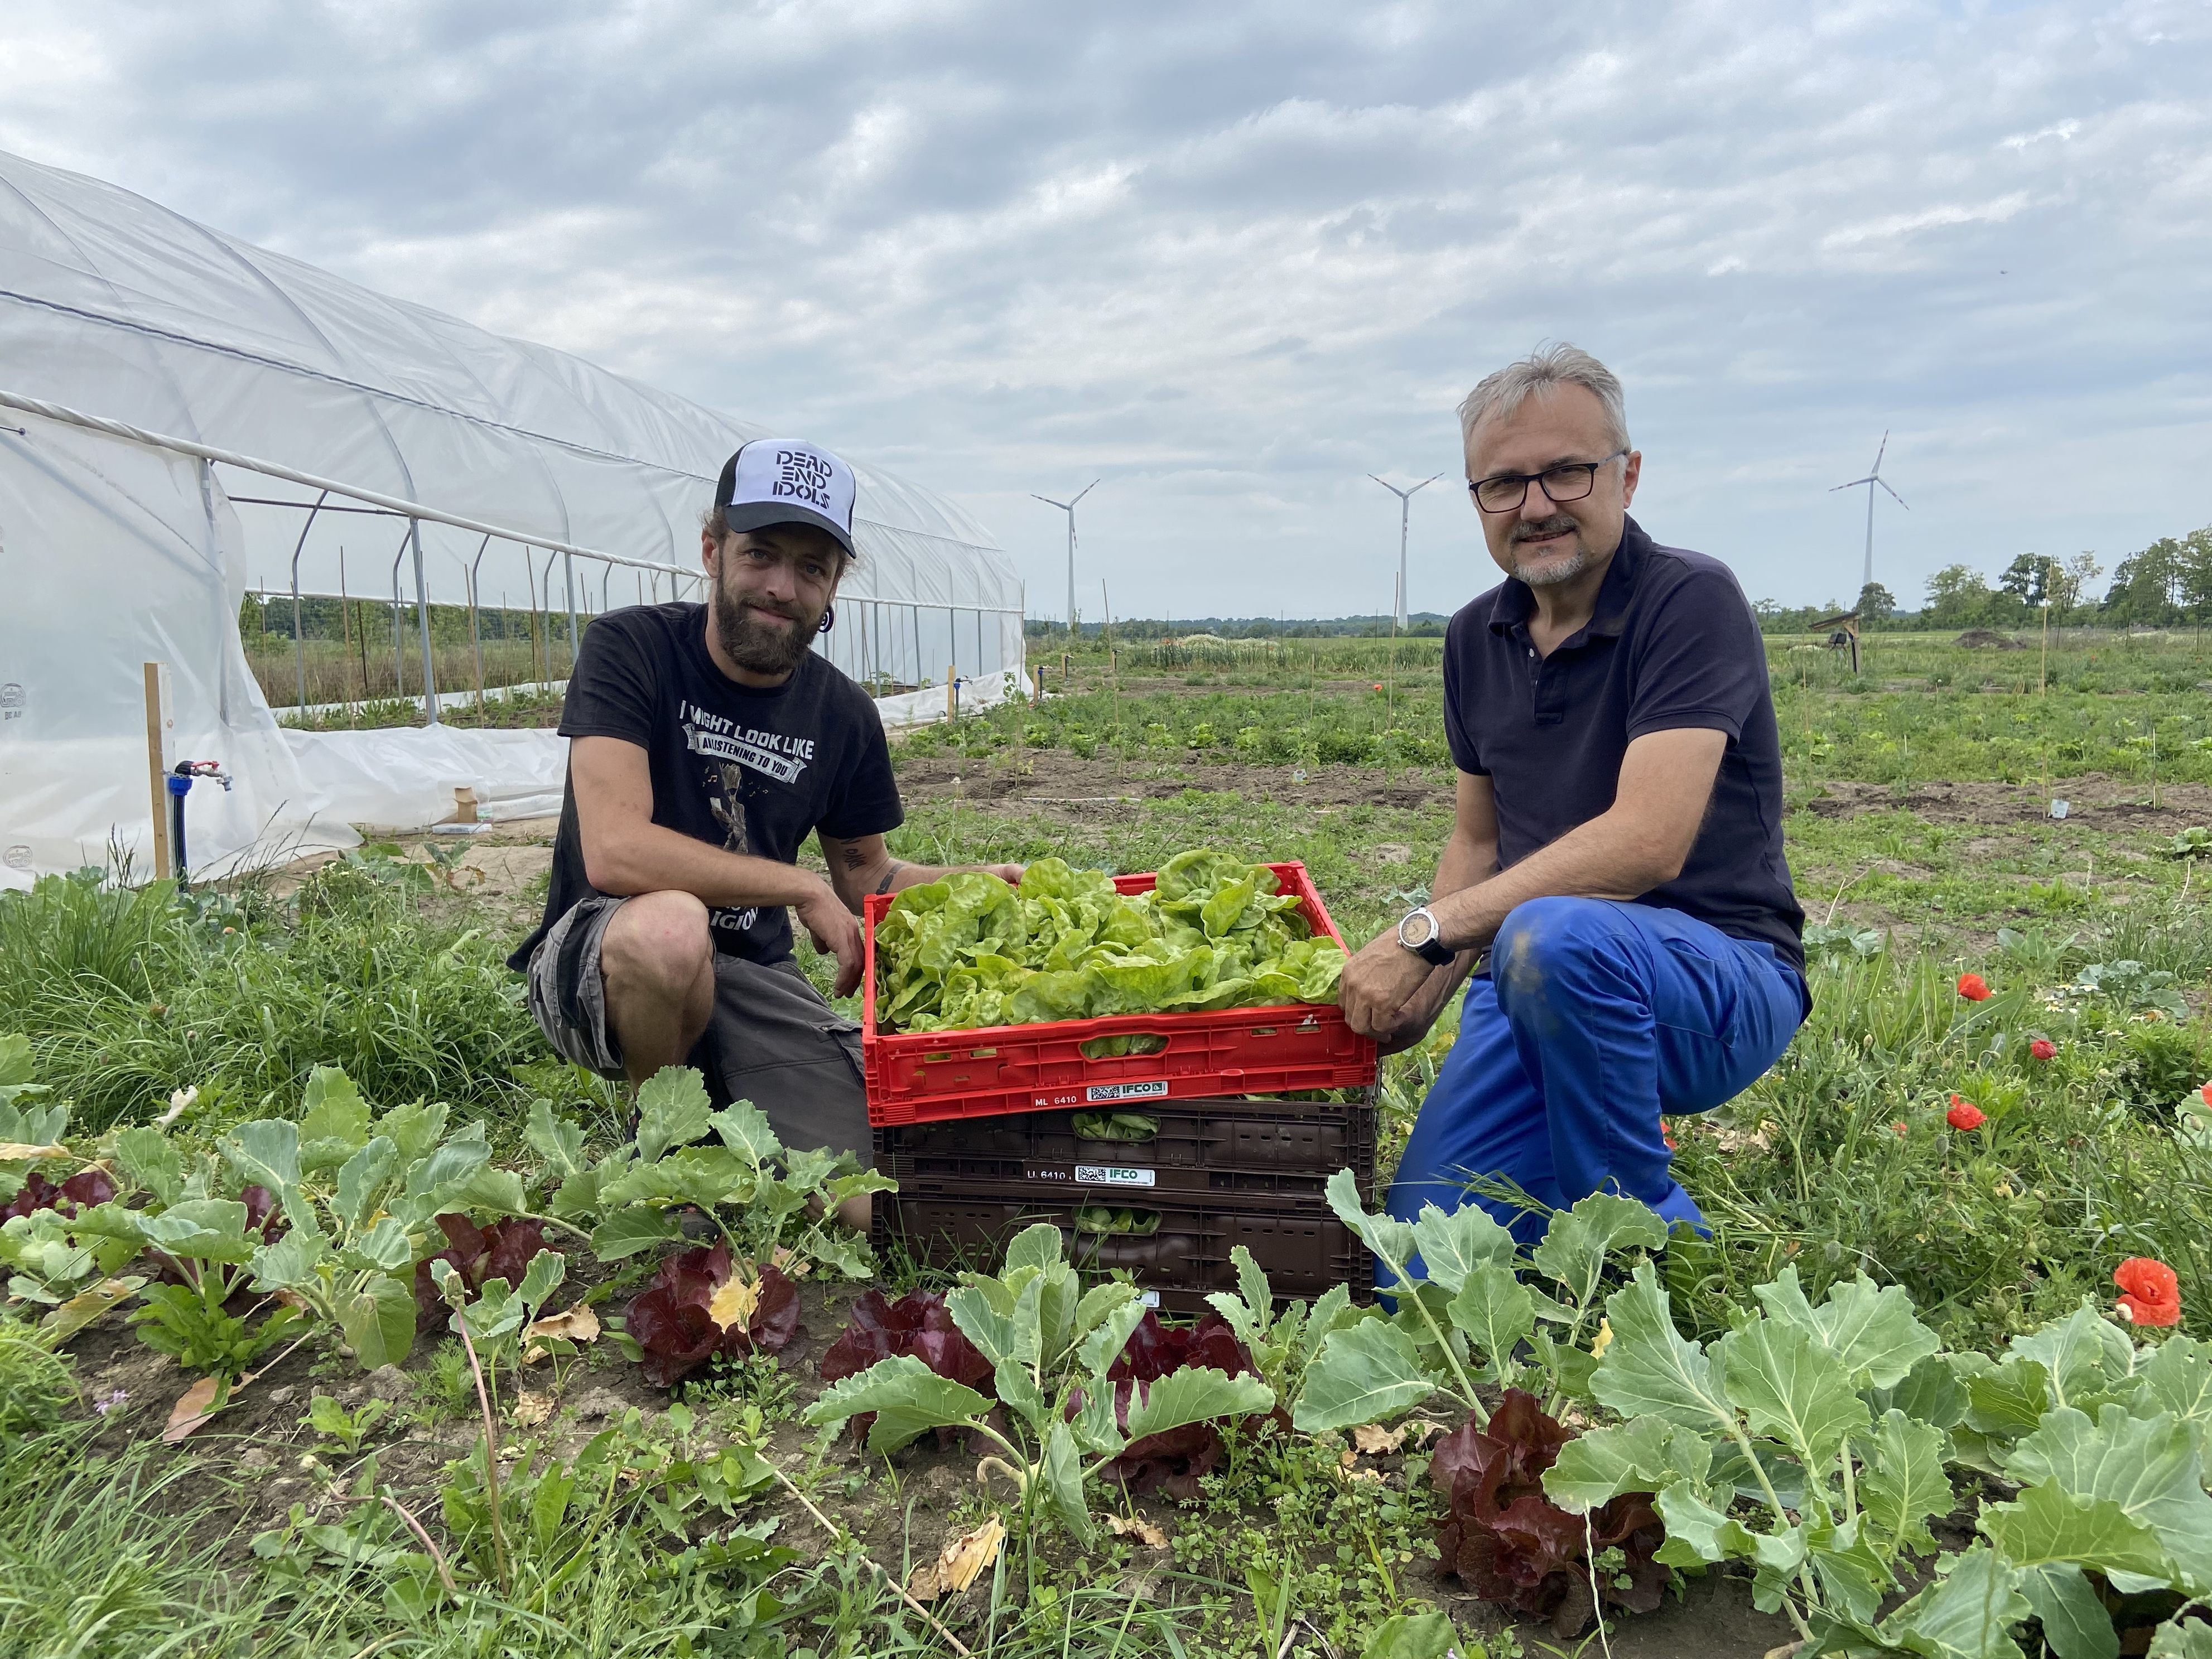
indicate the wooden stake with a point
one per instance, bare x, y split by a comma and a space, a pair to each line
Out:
951, 692
161, 755
1390, 676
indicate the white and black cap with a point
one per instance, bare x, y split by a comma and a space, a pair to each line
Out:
781, 481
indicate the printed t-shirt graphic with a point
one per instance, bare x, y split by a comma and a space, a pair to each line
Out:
726, 754
749, 770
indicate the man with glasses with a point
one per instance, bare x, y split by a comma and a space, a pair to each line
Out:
708, 742
1614, 880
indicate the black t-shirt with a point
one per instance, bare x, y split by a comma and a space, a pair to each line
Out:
1671, 643
753, 771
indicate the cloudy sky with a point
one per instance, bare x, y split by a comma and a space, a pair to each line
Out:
1231, 258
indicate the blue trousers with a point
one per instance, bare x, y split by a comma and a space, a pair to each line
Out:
1596, 1017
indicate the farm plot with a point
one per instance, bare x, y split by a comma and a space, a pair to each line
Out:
1891, 1402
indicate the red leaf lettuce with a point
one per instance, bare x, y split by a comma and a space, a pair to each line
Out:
1511, 1545
917, 1324
670, 1319
501, 1249
1173, 1462
87, 1186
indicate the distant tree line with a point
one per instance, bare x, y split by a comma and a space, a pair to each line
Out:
2165, 585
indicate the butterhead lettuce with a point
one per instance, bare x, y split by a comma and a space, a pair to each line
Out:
968, 951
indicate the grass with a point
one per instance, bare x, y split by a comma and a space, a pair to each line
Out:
363, 668
1840, 1160
133, 994
118, 1558
1921, 709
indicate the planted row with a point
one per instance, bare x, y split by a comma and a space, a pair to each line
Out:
365, 1226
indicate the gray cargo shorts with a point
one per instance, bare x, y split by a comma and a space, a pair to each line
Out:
771, 1039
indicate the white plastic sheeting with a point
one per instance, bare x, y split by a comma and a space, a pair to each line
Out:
403, 777
114, 554
930, 704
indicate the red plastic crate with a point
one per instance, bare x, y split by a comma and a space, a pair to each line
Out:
922, 1077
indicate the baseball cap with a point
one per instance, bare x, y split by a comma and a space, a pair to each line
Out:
781, 481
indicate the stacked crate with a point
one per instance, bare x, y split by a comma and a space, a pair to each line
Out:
1249, 1111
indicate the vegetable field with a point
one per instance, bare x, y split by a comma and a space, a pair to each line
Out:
343, 1319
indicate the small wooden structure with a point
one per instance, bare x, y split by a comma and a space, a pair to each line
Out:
1842, 632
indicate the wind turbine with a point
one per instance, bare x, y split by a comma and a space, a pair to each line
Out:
1873, 477
1404, 503
1068, 508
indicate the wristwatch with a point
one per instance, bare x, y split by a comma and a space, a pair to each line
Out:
1419, 933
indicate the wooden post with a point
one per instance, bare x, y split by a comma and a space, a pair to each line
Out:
951, 692
161, 755
2043, 670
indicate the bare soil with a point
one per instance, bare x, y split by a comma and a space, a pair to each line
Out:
1053, 779
259, 1440
2093, 798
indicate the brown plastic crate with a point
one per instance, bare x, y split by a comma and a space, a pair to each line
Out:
1301, 1245
1266, 1149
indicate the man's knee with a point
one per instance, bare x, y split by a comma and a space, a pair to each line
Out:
1542, 939
657, 944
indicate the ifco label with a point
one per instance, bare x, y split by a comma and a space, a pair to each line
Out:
1113, 1175
1154, 1091
1148, 1299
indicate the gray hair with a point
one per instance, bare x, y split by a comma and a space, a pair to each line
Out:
1546, 367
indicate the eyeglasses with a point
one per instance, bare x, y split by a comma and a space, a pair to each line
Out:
1567, 481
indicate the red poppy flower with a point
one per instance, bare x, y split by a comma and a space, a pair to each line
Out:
2043, 1048
1668, 1135
1964, 1114
1973, 987
2206, 1091
2149, 1292
1900, 1127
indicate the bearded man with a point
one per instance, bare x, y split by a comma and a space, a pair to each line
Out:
707, 742
1614, 880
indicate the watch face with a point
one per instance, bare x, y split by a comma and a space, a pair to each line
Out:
1416, 930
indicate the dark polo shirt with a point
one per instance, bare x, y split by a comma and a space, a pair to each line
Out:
1671, 643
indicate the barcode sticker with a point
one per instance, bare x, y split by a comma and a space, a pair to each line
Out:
1114, 1175
1148, 1299
1157, 1089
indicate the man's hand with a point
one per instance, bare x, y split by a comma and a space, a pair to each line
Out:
1419, 1014
836, 931
864, 865
1381, 991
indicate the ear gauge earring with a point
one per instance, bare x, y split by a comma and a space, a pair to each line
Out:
828, 619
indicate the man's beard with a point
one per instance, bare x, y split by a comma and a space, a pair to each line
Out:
1549, 575
763, 648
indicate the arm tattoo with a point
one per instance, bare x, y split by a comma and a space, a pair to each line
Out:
889, 876
854, 858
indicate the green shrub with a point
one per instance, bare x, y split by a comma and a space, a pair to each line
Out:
1341, 748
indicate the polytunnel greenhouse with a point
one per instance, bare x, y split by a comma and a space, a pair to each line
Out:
187, 421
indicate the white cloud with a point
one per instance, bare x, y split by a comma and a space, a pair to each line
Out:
2060, 129
1234, 258
1891, 225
